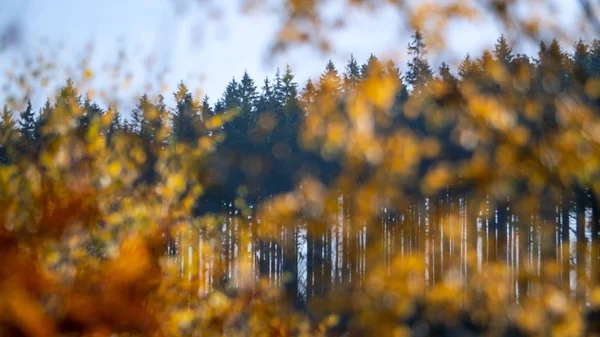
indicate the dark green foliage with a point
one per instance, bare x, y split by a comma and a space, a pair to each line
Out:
419, 71
503, 52
115, 127
352, 74
308, 94
205, 110
261, 150
185, 118
27, 123
8, 132
90, 112
247, 94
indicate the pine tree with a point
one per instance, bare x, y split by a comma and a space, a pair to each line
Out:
220, 107
42, 120
278, 88
231, 97
419, 71
185, 118
552, 66
448, 100
487, 83
247, 93
288, 123
470, 70
392, 71
147, 120
503, 53
552, 78
160, 123
308, 96
136, 119
207, 112
267, 102
373, 67
594, 61
7, 135
115, 126
445, 74
330, 81
205, 109
560, 60
236, 131
290, 89
8, 124
67, 99
90, 111
247, 121
351, 75
27, 124
581, 65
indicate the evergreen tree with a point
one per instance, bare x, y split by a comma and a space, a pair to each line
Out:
469, 70
559, 62
231, 97
581, 65
208, 112
236, 131
160, 120
445, 74
247, 94
419, 72
392, 71
308, 96
373, 67
352, 74
278, 88
185, 118
67, 100
503, 52
552, 78
552, 66
8, 124
289, 122
290, 89
267, 102
330, 81
137, 119
27, 124
90, 111
205, 109
7, 135
268, 106
115, 126
148, 119
247, 121
594, 59
220, 107
42, 119
487, 83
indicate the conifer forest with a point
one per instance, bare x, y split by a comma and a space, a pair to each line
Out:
380, 198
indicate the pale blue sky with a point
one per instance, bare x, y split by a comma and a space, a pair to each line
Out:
203, 52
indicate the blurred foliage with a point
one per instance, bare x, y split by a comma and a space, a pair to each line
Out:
367, 202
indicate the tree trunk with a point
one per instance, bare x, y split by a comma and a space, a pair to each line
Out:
581, 244
566, 242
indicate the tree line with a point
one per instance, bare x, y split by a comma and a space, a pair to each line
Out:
271, 136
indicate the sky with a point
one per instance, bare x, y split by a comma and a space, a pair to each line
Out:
168, 41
